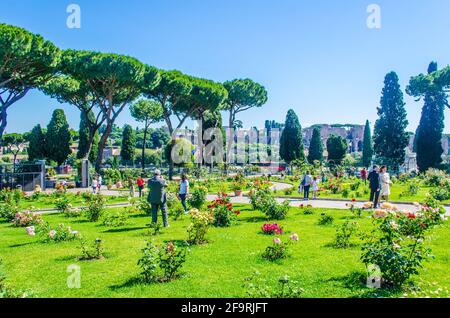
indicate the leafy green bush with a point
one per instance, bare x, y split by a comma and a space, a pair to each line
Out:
91, 251
396, 244
8, 211
286, 288
434, 177
275, 210
95, 208
161, 263
115, 218
197, 197
279, 249
326, 219
344, 234
199, 226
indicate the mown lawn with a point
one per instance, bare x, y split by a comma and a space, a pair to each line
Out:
397, 193
217, 269
48, 201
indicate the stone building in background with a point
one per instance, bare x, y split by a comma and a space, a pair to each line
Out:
354, 134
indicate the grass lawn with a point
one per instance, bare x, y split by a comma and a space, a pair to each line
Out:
396, 193
217, 269
48, 202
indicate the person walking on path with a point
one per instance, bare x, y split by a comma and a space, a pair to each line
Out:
94, 185
131, 186
140, 184
99, 183
157, 197
183, 191
385, 180
374, 183
307, 187
363, 174
315, 187
302, 184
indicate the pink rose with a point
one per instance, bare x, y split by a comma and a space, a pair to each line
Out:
276, 240
52, 234
294, 237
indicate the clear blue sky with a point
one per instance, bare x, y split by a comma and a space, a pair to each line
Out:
317, 57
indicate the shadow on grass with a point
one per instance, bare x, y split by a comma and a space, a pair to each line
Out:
254, 219
126, 229
22, 244
129, 283
357, 283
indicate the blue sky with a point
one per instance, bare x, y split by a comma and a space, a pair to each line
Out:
316, 57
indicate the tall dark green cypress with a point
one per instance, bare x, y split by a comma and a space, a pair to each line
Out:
315, 147
128, 144
390, 137
36, 147
58, 137
291, 142
429, 133
367, 146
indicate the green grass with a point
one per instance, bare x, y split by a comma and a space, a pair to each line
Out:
48, 202
217, 269
396, 193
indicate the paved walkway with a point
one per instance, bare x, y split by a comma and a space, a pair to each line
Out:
295, 202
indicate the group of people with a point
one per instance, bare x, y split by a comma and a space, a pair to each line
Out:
157, 196
310, 184
380, 185
97, 184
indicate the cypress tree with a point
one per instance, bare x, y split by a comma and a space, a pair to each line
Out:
429, 133
36, 147
390, 137
291, 142
367, 146
337, 149
315, 147
128, 144
58, 137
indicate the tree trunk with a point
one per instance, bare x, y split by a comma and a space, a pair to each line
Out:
144, 146
101, 146
3, 123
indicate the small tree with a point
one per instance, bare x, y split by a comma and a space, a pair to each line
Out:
128, 144
315, 147
337, 149
147, 112
367, 146
15, 143
36, 146
58, 137
291, 142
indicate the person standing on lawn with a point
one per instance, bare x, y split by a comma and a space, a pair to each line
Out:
385, 183
307, 185
183, 191
157, 197
131, 186
374, 183
140, 184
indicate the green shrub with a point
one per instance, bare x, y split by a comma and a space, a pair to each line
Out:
95, 208
91, 251
197, 197
161, 263
326, 219
344, 234
116, 218
274, 210
286, 288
